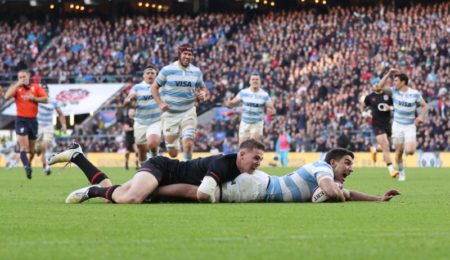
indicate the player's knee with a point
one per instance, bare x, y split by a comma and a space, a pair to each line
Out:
127, 199
187, 144
152, 143
173, 152
409, 152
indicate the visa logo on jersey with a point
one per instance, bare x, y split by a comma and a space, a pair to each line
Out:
183, 83
405, 104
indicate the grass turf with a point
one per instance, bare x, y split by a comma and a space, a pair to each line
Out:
36, 224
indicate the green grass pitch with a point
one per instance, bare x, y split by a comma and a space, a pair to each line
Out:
36, 224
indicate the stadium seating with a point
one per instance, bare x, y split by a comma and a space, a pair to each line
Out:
316, 66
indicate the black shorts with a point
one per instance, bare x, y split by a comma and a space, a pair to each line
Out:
379, 130
129, 144
27, 127
168, 171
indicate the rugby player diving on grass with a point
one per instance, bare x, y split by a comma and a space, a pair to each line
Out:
298, 186
201, 175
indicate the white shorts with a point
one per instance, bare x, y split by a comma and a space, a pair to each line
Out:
142, 132
245, 188
246, 130
46, 134
186, 122
402, 134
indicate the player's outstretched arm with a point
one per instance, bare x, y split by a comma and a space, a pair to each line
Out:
233, 102
207, 190
129, 99
423, 111
333, 192
11, 92
382, 84
361, 196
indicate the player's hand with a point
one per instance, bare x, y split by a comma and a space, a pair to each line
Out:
389, 195
64, 128
227, 102
393, 71
419, 120
164, 107
131, 97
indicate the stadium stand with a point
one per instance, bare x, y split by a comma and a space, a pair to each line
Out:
315, 65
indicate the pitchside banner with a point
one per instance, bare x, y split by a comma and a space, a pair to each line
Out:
76, 99
427, 159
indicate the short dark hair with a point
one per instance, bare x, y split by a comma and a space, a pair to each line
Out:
337, 154
25, 71
252, 144
150, 67
402, 77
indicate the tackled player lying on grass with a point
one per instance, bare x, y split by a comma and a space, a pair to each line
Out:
203, 175
316, 182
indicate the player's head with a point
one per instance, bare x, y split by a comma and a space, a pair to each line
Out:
250, 155
255, 80
374, 82
23, 76
341, 160
185, 54
149, 74
400, 80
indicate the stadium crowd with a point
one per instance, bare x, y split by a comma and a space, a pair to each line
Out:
315, 66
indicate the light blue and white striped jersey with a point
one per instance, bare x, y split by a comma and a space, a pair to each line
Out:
147, 110
298, 186
178, 86
405, 105
253, 105
46, 111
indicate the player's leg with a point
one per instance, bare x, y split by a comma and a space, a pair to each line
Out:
256, 130
75, 155
398, 138
136, 156
127, 157
134, 191
24, 148
373, 152
47, 150
179, 190
244, 132
171, 132
141, 142
382, 140
399, 150
188, 129
154, 138
142, 184
410, 140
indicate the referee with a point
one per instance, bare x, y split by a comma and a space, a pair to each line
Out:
27, 97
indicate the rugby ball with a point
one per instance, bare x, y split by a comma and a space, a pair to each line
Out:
320, 196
